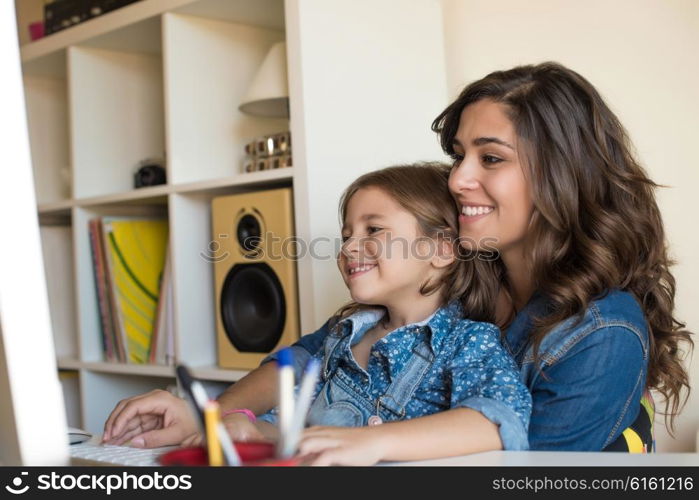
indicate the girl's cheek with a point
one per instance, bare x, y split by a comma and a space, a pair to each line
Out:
372, 248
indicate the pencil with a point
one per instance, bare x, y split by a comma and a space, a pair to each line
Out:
212, 417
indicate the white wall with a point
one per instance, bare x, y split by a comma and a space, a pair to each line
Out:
370, 75
642, 56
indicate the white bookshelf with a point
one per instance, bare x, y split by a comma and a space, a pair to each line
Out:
165, 78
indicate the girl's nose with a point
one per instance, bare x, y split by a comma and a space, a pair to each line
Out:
350, 246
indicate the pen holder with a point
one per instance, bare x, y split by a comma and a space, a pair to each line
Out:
252, 454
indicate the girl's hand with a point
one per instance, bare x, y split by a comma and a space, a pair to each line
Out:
240, 428
342, 445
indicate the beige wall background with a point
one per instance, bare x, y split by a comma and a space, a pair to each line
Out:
642, 55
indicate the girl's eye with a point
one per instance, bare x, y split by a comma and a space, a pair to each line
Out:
373, 229
490, 159
344, 238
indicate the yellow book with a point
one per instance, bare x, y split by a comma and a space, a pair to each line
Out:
136, 250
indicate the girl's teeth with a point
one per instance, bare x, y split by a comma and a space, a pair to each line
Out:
359, 269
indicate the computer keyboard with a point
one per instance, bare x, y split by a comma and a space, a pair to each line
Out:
92, 451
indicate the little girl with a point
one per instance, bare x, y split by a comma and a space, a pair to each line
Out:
402, 354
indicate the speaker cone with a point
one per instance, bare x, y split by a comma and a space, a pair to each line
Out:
253, 308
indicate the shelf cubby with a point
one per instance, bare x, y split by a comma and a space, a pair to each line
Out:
57, 246
91, 347
116, 108
209, 65
47, 117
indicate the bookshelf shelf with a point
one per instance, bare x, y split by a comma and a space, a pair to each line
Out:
215, 373
130, 369
164, 79
56, 208
68, 363
152, 194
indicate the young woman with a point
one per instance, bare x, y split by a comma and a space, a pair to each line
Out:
550, 195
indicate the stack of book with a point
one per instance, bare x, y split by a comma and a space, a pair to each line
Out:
134, 288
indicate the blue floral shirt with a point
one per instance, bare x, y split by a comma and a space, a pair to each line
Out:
446, 361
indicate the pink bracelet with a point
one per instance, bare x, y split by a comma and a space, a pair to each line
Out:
251, 416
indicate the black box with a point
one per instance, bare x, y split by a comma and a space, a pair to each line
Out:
62, 14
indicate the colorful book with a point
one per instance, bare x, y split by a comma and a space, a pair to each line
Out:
135, 250
105, 312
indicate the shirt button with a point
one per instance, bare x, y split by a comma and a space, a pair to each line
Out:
375, 354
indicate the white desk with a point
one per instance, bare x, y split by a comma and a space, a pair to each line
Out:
524, 459
562, 459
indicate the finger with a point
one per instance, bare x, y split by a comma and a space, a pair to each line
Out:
109, 424
145, 423
142, 422
311, 445
112, 416
195, 439
155, 404
159, 437
325, 459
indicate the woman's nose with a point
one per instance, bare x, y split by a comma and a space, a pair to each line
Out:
463, 178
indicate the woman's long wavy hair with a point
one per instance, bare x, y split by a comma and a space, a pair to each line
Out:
596, 225
422, 189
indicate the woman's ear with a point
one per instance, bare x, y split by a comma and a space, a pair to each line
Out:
445, 253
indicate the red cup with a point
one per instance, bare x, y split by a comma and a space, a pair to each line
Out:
252, 453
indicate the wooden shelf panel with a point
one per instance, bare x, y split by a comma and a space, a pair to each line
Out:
130, 27
220, 374
158, 194
129, 369
200, 372
267, 177
65, 363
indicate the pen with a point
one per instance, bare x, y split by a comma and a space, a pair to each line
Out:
286, 397
308, 384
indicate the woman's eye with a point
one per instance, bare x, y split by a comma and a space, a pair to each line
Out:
373, 229
490, 159
345, 238
456, 158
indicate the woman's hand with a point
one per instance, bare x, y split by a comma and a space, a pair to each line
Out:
150, 420
342, 445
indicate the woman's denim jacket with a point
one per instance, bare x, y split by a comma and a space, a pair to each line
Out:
588, 380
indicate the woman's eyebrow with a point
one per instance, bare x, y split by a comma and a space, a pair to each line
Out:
487, 140
481, 141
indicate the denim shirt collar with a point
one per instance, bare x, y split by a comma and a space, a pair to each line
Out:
357, 324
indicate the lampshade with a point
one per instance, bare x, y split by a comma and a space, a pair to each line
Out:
268, 94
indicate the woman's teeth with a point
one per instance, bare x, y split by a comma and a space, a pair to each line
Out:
471, 211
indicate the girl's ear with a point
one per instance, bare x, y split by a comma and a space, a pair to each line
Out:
445, 253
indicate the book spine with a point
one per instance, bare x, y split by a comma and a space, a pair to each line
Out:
99, 287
